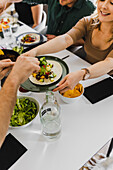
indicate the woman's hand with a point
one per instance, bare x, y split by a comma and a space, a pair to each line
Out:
70, 81
5, 67
31, 53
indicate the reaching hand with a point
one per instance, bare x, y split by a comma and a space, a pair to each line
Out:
23, 68
31, 53
5, 67
69, 81
34, 25
50, 36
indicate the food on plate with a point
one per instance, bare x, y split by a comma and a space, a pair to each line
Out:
24, 111
1, 52
30, 38
50, 71
0, 28
3, 23
77, 91
45, 71
18, 49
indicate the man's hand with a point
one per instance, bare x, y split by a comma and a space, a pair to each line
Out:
23, 68
34, 25
5, 67
50, 36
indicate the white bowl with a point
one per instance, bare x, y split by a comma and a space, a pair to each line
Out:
70, 100
37, 104
23, 93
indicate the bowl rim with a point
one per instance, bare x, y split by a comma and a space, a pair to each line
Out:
27, 124
73, 97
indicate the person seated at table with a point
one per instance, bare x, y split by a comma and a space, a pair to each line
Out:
29, 14
98, 32
8, 93
64, 14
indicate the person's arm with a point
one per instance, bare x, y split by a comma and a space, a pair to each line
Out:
57, 44
63, 41
7, 103
26, 66
50, 36
101, 68
3, 6
5, 67
78, 42
37, 14
96, 70
6, 3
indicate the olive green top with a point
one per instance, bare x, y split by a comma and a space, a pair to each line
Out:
62, 18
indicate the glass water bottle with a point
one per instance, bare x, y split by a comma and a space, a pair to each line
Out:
50, 117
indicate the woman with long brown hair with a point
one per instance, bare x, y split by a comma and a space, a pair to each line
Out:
97, 31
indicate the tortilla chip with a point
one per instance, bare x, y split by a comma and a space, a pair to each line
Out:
77, 91
1, 52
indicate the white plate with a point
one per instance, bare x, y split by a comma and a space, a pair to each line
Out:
57, 69
38, 37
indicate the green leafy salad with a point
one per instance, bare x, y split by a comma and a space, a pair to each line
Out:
18, 49
24, 111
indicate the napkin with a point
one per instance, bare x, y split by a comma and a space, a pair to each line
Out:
99, 91
10, 152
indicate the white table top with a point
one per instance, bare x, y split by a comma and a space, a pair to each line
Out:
86, 128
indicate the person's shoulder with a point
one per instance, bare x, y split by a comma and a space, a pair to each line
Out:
88, 20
